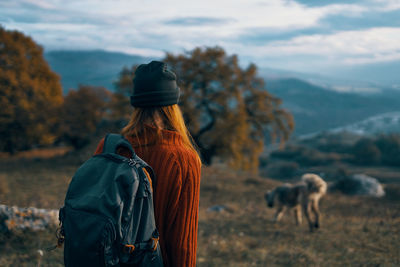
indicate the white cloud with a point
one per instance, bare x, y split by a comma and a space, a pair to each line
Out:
387, 5
40, 3
139, 20
146, 52
347, 47
141, 27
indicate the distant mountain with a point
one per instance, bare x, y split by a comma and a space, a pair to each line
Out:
342, 83
382, 123
386, 73
100, 68
316, 109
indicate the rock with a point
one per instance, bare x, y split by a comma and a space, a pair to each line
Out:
12, 218
216, 208
359, 184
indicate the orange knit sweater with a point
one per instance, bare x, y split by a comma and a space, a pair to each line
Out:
176, 198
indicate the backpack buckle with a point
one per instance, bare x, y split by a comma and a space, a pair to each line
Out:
155, 238
128, 248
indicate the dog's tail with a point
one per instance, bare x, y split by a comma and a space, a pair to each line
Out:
315, 184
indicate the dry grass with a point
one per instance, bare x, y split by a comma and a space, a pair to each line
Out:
44, 153
356, 231
41, 184
21, 249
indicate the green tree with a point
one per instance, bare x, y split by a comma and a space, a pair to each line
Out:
228, 111
30, 92
81, 114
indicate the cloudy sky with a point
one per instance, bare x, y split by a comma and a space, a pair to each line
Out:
301, 35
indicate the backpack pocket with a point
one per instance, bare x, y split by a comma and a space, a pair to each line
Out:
90, 239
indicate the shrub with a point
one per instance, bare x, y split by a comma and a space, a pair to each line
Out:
284, 170
82, 113
290, 152
306, 155
389, 146
366, 152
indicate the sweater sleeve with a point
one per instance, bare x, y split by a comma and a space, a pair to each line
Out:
183, 223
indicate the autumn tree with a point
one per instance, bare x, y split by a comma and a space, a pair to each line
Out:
120, 107
228, 111
81, 113
30, 92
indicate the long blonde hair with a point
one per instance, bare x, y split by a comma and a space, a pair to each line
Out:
171, 117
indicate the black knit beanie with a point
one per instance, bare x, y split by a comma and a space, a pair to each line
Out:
154, 86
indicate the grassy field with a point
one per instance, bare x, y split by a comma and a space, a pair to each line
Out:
356, 231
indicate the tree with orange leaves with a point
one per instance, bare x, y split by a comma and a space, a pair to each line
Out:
228, 109
229, 112
30, 93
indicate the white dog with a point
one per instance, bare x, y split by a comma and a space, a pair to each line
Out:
304, 195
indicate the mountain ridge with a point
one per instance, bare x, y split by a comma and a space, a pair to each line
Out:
92, 67
315, 107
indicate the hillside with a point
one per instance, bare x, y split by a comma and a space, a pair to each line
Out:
382, 123
355, 231
316, 108
386, 73
97, 67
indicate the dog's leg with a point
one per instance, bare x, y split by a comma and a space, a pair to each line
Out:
279, 213
297, 215
307, 210
316, 212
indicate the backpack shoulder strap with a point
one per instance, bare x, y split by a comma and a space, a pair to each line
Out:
113, 141
148, 171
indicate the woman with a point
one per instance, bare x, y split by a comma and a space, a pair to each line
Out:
159, 136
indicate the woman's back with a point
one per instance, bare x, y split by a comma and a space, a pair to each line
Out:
173, 157
176, 197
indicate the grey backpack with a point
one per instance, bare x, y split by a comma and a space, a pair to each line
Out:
108, 217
